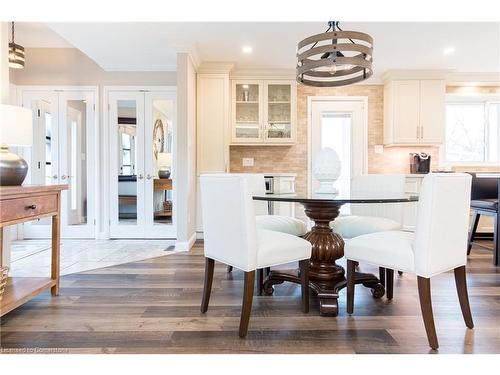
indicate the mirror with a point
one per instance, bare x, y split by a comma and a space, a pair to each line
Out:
127, 156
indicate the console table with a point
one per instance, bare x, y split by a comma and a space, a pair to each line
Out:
19, 204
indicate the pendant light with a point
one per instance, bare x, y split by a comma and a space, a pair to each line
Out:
16, 53
334, 58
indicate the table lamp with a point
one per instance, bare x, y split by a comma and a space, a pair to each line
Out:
164, 164
16, 129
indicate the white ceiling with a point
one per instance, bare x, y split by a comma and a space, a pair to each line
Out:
153, 46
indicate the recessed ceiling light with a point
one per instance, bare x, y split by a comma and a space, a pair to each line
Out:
448, 50
247, 49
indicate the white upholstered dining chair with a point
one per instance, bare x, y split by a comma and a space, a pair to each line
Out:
374, 217
438, 245
232, 237
277, 223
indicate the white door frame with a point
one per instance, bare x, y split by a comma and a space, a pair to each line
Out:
92, 143
106, 160
310, 101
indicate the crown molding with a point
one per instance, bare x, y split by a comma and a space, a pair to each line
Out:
473, 79
401, 74
288, 74
215, 67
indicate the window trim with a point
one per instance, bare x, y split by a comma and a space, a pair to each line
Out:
468, 98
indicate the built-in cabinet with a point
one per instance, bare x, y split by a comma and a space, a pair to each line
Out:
212, 129
263, 112
414, 112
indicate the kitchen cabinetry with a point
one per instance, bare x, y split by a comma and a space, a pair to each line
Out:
412, 187
263, 112
212, 138
414, 112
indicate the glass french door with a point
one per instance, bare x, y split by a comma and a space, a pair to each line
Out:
64, 152
340, 125
142, 177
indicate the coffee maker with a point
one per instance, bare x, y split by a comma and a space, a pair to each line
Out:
420, 162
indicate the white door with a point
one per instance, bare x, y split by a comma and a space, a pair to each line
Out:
141, 134
339, 124
160, 212
126, 169
63, 152
77, 165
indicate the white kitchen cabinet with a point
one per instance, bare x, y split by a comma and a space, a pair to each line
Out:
212, 128
412, 187
414, 112
263, 112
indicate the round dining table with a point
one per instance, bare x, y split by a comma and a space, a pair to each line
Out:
326, 277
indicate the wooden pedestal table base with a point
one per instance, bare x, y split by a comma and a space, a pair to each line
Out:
326, 277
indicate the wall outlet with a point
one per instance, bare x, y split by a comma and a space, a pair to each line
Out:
378, 149
248, 162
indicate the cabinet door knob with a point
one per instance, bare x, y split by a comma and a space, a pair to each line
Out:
140, 177
31, 207
148, 177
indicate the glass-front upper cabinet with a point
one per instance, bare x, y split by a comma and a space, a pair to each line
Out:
247, 113
279, 112
264, 111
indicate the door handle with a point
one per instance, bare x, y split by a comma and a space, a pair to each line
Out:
148, 176
421, 132
63, 177
55, 177
140, 177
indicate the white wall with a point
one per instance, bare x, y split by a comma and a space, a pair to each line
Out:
186, 154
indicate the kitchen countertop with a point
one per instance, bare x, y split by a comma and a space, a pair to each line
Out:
274, 174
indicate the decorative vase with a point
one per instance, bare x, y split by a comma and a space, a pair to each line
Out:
164, 173
327, 170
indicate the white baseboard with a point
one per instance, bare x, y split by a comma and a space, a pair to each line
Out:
199, 236
186, 245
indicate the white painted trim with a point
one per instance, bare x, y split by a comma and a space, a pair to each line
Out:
208, 67
186, 245
403, 74
310, 100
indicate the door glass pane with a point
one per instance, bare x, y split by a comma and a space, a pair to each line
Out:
76, 161
247, 111
162, 161
336, 134
279, 111
42, 167
126, 158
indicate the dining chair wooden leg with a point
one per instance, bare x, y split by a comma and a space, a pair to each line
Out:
389, 283
381, 275
351, 270
247, 302
424, 294
463, 296
207, 285
260, 281
304, 284
229, 269
473, 229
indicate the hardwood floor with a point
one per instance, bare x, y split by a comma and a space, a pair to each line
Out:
153, 306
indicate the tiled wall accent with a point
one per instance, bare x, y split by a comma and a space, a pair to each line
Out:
293, 159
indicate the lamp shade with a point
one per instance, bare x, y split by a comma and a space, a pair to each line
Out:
164, 159
16, 127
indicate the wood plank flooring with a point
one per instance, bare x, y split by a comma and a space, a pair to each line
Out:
153, 306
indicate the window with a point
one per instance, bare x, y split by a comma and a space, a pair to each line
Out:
473, 131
